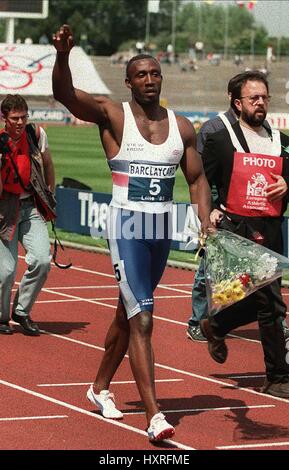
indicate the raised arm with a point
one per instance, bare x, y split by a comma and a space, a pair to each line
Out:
82, 105
193, 170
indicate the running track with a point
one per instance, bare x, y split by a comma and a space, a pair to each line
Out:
43, 380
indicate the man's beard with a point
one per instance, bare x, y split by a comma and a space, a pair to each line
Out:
254, 120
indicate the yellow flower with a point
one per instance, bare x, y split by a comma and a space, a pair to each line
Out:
227, 292
219, 298
236, 283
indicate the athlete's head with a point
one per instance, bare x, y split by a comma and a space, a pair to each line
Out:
144, 78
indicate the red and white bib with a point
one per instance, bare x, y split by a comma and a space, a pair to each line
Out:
251, 175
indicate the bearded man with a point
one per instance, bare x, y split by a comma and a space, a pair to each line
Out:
233, 158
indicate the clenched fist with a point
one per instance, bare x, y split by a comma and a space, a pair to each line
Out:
63, 39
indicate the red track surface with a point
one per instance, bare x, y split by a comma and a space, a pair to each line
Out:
43, 380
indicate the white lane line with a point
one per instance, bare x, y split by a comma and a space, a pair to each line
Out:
246, 376
104, 274
168, 320
89, 413
84, 270
243, 338
99, 299
69, 296
56, 301
27, 418
120, 382
179, 285
76, 298
178, 371
109, 286
163, 286
252, 446
194, 410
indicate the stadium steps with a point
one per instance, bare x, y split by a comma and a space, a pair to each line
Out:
203, 90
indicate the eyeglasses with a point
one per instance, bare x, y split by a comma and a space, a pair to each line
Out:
254, 99
24, 117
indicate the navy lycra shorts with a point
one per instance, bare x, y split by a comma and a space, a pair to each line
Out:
139, 245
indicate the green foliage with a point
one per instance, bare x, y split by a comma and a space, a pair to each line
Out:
106, 26
207, 24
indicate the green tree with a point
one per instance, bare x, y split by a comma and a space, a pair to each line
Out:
110, 25
106, 23
207, 23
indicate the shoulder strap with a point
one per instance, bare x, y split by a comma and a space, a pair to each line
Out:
276, 139
57, 241
234, 139
17, 172
34, 131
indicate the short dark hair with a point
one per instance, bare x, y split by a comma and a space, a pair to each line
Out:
12, 102
239, 80
138, 57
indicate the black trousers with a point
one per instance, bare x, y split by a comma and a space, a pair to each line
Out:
265, 305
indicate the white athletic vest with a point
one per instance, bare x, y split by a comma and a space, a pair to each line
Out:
143, 174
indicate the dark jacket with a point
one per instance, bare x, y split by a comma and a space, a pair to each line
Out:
218, 164
211, 126
218, 160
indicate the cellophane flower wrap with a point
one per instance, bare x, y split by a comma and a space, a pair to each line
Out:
236, 267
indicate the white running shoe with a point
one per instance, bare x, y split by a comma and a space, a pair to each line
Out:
159, 428
105, 402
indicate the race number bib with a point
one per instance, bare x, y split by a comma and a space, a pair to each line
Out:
250, 178
151, 182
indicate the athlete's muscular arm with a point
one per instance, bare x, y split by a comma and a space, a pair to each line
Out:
193, 170
82, 105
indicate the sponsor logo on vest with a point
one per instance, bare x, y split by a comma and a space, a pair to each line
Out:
257, 186
134, 147
259, 161
152, 171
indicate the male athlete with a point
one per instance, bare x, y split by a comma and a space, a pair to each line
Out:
144, 144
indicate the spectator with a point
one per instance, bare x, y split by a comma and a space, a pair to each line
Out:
27, 176
225, 155
199, 299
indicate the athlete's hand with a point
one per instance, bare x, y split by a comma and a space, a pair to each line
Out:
276, 191
63, 39
207, 227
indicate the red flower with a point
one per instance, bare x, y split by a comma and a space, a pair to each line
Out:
244, 279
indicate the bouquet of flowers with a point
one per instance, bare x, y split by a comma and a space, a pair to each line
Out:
236, 267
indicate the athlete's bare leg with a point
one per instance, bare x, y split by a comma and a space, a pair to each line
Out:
142, 360
116, 345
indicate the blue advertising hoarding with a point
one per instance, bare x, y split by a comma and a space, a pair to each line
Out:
85, 212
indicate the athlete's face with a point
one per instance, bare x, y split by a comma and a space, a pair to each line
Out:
145, 80
253, 103
15, 122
